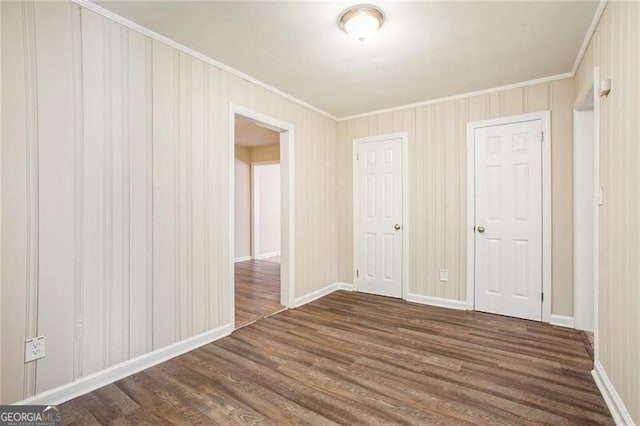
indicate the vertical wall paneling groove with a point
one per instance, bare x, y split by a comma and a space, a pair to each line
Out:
107, 192
218, 130
213, 219
221, 193
197, 202
188, 167
205, 208
126, 198
183, 190
78, 177
149, 194
31, 115
177, 194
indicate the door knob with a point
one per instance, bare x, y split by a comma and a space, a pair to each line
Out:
481, 229
397, 227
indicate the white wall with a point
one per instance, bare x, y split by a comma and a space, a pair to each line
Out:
115, 169
583, 219
437, 184
39, 143
614, 49
266, 209
242, 205
244, 157
115, 178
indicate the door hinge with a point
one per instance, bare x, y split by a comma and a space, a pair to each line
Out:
357, 273
542, 136
542, 297
357, 156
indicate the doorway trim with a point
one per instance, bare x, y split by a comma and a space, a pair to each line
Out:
545, 117
404, 139
592, 90
255, 212
287, 216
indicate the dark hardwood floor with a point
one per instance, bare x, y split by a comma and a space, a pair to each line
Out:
257, 290
354, 358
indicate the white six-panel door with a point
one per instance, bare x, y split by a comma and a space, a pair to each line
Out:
508, 219
378, 217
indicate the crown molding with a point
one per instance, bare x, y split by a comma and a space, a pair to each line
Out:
589, 34
462, 95
89, 5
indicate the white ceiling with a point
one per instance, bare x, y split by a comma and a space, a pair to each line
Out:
249, 134
424, 50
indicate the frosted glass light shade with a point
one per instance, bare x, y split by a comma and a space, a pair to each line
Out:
360, 22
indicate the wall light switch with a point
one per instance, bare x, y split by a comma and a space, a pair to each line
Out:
444, 275
34, 349
600, 195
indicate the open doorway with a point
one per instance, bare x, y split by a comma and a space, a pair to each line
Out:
260, 279
257, 222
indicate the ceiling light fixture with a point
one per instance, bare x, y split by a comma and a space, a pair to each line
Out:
361, 21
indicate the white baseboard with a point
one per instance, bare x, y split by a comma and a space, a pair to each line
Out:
611, 397
242, 259
307, 298
561, 320
437, 301
267, 255
114, 373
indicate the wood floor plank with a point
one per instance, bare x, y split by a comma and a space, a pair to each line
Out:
161, 400
74, 413
354, 358
195, 388
257, 290
236, 384
316, 400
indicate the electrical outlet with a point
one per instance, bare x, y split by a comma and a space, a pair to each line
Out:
444, 275
34, 348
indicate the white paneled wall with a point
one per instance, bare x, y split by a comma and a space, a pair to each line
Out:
16, 57
615, 49
115, 193
39, 137
59, 108
190, 247
115, 169
437, 184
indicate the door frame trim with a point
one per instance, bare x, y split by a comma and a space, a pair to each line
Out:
545, 117
287, 213
404, 140
591, 89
